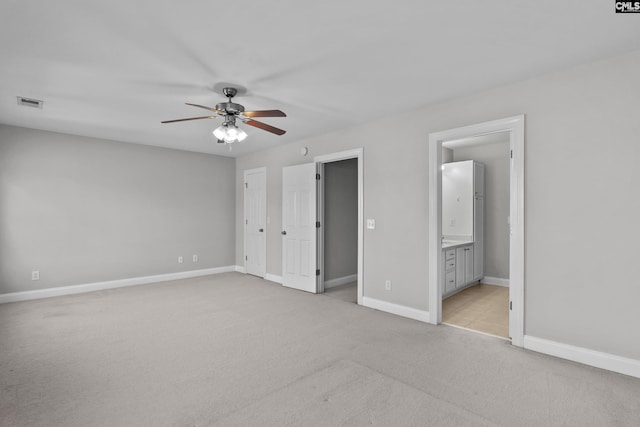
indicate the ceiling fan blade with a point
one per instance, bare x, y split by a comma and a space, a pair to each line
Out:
190, 118
207, 108
264, 126
265, 113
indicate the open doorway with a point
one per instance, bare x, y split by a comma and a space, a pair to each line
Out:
439, 254
340, 213
340, 228
255, 221
303, 233
481, 303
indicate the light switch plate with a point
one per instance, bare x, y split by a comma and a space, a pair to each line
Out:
371, 224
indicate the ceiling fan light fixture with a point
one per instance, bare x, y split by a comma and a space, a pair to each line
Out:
220, 132
241, 135
229, 133
232, 134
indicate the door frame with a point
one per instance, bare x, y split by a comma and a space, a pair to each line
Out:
515, 126
356, 153
244, 194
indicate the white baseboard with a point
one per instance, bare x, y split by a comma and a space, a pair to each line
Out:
610, 362
110, 284
240, 269
397, 309
273, 278
340, 281
495, 281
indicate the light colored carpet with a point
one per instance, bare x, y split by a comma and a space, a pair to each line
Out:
232, 349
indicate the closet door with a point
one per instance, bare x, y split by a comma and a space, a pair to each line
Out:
299, 227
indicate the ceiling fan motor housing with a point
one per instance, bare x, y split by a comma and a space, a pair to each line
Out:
230, 107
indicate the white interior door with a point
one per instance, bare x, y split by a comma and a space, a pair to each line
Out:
255, 199
299, 227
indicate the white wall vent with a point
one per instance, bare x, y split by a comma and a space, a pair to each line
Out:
29, 102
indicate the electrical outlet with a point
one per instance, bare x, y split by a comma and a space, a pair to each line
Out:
35, 275
195, 257
387, 285
180, 260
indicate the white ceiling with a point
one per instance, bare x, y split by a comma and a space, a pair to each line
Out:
115, 69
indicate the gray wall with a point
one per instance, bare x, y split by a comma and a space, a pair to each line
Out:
341, 219
496, 203
83, 210
581, 172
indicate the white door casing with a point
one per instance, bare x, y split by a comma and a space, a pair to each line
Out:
299, 196
255, 215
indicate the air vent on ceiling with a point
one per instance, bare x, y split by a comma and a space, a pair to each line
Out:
29, 102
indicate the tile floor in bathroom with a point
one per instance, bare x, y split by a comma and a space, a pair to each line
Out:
482, 307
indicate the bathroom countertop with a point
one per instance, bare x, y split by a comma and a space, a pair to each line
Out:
448, 244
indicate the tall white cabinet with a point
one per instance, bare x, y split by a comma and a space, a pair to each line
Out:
478, 220
462, 224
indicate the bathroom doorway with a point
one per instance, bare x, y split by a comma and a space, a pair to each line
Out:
514, 128
482, 303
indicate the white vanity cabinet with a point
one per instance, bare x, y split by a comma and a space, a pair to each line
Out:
449, 271
458, 268
464, 265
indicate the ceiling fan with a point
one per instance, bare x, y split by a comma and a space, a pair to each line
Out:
229, 132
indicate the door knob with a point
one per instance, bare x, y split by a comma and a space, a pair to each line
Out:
284, 233
261, 230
